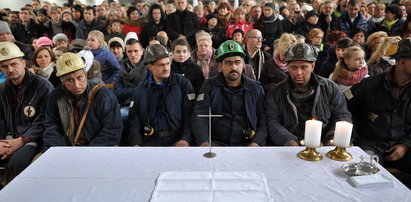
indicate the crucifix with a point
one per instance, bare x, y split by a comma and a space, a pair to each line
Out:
209, 154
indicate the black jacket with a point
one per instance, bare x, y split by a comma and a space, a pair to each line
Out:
282, 119
190, 71
179, 104
212, 95
151, 30
185, 23
271, 28
392, 123
27, 34
271, 75
83, 29
30, 112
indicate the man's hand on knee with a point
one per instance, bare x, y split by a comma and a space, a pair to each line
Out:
396, 152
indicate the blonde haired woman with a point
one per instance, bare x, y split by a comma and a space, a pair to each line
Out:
350, 69
204, 55
275, 70
373, 41
380, 61
109, 64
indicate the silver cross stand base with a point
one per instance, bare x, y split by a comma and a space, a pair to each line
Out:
209, 154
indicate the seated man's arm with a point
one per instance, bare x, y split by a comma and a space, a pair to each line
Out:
261, 130
54, 134
122, 93
279, 134
133, 129
108, 111
188, 107
199, 124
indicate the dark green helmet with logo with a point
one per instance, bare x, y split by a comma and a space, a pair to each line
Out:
228, 49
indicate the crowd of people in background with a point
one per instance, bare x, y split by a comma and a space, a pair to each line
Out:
169, 61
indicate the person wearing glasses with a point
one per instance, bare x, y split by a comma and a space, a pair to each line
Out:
238, 98
254, 55
303, 96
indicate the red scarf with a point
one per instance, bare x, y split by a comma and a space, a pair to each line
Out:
349, 78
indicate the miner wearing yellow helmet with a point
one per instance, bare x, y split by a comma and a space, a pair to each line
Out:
80, 112
22, 107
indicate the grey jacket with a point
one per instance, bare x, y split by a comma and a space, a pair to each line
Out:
282, 115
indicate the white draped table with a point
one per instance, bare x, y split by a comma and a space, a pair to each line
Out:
129, 174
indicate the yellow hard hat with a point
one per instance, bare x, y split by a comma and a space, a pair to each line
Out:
69, 62
9, 50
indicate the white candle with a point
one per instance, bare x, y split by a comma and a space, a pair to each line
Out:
312, 136
342, 135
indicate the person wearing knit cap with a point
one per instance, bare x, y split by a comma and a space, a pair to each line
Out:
42, 17
217, 33
130, 35
77, 45
117, 46
270, 26
380, 106
60, 39
66, 16
44, 41
310, 22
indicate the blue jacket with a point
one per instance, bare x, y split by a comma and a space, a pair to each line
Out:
282, 119
343, 23
109, 64
103, 125
36, 91
211, 95
179, 106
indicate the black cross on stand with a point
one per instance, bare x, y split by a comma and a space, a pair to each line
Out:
209, 154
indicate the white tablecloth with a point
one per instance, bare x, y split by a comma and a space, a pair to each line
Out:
129, 174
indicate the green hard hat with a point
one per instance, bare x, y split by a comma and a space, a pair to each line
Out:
228, 49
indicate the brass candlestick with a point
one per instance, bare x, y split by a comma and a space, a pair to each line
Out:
339, 154
310, 154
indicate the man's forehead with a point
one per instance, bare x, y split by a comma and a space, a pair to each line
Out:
232, 58
299, 63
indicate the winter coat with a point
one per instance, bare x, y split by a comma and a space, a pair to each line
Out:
182, 23
109, 64
271, 75
329, 107
151, 30
343, 23
26, 34
29, 115
211, 95
271, 28
178, 103
129, 78
83, 29
102, 127
191, 71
